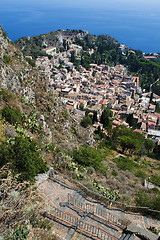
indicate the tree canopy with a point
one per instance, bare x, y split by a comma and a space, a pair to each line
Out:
106, 118
86, 121
128, 139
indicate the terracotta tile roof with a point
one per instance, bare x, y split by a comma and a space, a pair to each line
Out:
157, 115
138, 130
69, 106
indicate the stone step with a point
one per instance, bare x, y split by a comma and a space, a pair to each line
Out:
132, 237
73, 194
123, 236
70, 234
127, 236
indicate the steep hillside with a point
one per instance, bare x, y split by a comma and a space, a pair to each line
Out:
31, 93
34, 127
33, 45
37, 132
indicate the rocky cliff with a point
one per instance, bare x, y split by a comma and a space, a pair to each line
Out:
33, 45
32, 93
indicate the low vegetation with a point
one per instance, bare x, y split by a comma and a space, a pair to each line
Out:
125, 163
6, 59
11, 115
5, 95
109, 193
150, 200
24, 156
20, 206
88, 156
30, 61
86, 121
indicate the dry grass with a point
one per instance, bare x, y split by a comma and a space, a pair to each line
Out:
21, 205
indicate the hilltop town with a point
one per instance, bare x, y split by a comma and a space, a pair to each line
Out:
98, 87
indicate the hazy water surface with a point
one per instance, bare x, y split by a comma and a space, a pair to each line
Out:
139, 29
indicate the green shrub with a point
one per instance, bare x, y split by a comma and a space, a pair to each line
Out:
107, 143
89, 157
114, 173
11, 115
4, 153
19, 233
51, 148
74, 131
151, 201
63, 116
6, 59
137, 158
86, 121
106, 118
156, 152
49, 107
5, 34
24, 156
125, 163
140, 174
103, 169
155, 179
142, 199
31, 62
5, 95
39, 222
156, 190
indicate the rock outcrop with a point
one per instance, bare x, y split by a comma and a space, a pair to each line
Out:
33, 92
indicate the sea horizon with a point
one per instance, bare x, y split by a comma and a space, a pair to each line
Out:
134, 28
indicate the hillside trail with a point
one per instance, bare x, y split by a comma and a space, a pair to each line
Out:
59, 192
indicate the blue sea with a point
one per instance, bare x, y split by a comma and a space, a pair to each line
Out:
137, 28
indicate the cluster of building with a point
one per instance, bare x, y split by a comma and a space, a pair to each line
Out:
100, 86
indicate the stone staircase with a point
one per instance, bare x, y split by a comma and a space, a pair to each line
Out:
127, 236
97, 215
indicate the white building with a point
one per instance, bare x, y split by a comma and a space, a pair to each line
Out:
49, 51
